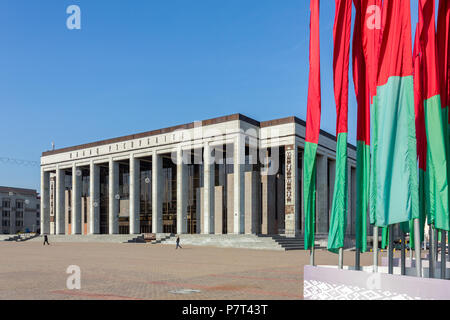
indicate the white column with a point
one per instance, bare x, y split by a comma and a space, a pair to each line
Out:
135, 187
208, 189
113, 202
239, 185
182, 193
76, 200
45, 202
60, 201
292, 188
94, 199
157, 192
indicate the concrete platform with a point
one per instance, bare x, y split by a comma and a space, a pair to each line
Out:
330, 283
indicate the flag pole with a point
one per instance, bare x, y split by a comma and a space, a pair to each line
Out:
357, 259
431, 254
436, 248
391, 249
403, 256
443, 260
417, 248
341, 258
375, 249
311, 256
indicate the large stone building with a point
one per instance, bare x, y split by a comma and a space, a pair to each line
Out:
228, 175
20, 210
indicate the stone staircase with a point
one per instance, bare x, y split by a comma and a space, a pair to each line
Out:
287, 243
18, 237
102, 238
243, 241
255, 242
161, 237
9, 237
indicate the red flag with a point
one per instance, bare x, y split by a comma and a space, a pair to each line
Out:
314, 96
421, 135
443, 44
428, 44
395, 47
371, 37
360, 79
341, 36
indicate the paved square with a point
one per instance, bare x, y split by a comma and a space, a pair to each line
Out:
29, 270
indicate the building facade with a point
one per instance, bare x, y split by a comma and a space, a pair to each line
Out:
20, 210
228, 175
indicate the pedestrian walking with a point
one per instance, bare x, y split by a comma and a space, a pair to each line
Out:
178, 243
46, 240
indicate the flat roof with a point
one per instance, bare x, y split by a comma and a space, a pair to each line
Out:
22, 191
233, 117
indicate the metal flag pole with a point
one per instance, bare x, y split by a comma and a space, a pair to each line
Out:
410, 248
436, 248
358, 259
431, 254
391, 250
312, 261
375, 249
443, 247
341, 258
410, 252
403, 257
417, 248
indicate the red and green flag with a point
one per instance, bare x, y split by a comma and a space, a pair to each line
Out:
436, 186
420, 136
341, 36
312, 126
371, 38
443, 49
393, 183
361, 84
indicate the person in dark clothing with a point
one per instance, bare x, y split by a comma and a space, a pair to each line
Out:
178, 243
46, 240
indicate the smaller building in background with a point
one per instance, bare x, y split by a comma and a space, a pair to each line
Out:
20, 210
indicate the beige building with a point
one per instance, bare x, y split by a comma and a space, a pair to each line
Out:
228, 175
20, 210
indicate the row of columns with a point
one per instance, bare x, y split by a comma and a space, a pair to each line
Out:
207, 220
325, 185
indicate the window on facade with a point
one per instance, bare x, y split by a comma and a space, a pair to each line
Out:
19, 204
5, 204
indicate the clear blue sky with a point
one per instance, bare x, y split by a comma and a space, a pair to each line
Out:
140, 65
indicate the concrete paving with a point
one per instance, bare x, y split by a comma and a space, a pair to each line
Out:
29, 270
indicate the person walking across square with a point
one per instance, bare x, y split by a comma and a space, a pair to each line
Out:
178, 243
